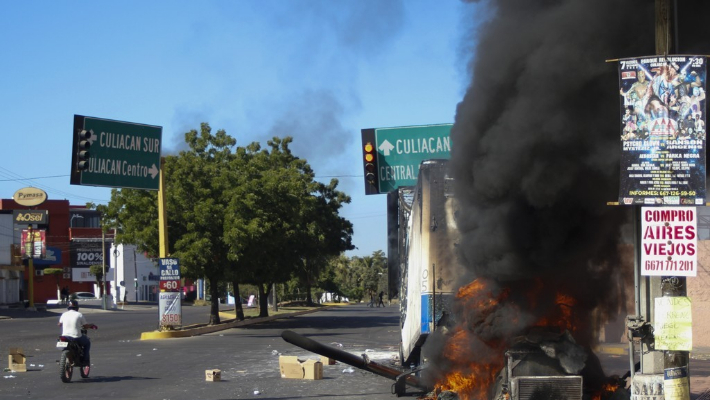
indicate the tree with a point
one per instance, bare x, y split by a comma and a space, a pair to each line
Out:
98, 272
274, 197
195, 187
370, 271
324, 233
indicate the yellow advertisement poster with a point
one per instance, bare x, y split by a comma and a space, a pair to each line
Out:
673, 328
676, 383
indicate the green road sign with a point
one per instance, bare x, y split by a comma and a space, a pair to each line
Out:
121, 154
401, 150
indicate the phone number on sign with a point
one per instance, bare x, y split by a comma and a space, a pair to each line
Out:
170, 319
669, 265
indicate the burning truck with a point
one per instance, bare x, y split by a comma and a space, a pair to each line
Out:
451, 337
486, 339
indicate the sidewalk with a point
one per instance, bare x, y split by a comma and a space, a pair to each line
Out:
11, 312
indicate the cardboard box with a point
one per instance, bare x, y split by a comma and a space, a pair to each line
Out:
16, 360
293, 368
213, 375
327, 361
313, 370
290, 367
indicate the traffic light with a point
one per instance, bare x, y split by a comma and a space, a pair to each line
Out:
370, 168
370, 161
82, 153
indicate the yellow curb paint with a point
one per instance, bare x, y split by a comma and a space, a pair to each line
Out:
215, 328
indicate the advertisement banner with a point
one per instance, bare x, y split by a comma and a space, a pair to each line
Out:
669, 241
676, 382
53, 256
170, 309
663, 118
169, 274
86, 254
82, 275
33, 243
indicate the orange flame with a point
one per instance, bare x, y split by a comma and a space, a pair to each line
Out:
471, 375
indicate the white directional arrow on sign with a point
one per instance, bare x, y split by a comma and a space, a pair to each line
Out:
93, 137
153, 171
386, 147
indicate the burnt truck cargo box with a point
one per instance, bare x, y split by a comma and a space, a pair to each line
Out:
430, 267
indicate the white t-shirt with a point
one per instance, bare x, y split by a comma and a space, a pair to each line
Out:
72, 321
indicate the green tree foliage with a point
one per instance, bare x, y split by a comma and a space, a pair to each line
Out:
372, 272
280, 218
97, 271
237, 214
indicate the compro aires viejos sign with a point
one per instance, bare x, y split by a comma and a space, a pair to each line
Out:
669, 241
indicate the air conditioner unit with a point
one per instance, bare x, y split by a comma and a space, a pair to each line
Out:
39, 272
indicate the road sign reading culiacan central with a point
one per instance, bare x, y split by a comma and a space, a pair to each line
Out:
120, 154
399, 151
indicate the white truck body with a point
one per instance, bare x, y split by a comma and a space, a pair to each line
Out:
430, 267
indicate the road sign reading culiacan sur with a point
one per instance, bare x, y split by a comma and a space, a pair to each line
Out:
115, 153
400, 150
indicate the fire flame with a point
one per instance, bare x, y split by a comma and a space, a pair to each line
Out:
472, 373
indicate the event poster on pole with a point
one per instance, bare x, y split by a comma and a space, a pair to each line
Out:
663, 118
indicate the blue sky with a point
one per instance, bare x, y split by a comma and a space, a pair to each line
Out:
319, 71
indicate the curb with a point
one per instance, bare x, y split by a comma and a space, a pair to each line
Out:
188, 332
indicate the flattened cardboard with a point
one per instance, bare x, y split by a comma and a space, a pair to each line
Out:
213, 375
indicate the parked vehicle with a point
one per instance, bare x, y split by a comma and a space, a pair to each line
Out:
72, 354
83, 296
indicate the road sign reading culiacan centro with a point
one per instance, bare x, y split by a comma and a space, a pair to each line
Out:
122, 154
400, 150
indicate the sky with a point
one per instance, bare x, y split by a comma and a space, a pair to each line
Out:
319, 71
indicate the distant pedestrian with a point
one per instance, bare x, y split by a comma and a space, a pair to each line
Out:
65, 295
381, 302
372, 300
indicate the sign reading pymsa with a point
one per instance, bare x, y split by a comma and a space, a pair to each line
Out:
669, 241
120, 154
169, 274
401, 150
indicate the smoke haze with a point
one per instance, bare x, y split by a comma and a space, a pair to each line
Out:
536, 159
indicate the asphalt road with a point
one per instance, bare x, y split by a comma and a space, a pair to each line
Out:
125, 367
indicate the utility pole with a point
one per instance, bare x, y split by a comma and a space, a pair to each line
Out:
103, 266
671, 286
31, 267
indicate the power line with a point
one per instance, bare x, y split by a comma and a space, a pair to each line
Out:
14, 177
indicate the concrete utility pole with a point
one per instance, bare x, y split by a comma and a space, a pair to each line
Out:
671, 286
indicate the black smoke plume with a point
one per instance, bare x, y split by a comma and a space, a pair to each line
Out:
535, 158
